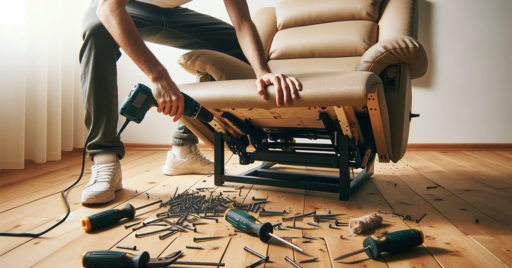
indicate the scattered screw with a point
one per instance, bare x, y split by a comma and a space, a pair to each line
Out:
198, 223
309, 260
256, 253
256, 263
308, 237
418, 220
333, 227
131, 225
194, 247
164, 236
314, 224
197, 239
337, 223
307, 241
130, 248
258, 199
430, 187
292, 262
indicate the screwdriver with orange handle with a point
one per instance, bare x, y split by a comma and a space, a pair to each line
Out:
394, 242
110, 217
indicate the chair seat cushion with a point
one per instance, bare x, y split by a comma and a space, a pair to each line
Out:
319, 90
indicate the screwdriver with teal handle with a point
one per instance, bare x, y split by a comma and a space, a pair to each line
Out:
140, 100
248, 224
395, 242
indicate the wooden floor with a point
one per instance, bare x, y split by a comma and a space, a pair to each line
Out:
472, 185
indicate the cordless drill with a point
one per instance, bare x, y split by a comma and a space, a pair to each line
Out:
140, 100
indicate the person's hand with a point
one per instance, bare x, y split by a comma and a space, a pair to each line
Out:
168, 95
287, 87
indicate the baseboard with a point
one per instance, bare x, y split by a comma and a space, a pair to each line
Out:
459, 147
410, 147
156, 147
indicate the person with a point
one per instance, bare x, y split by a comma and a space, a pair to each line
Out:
109, 25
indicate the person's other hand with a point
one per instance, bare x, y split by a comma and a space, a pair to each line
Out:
286, 87
170, 100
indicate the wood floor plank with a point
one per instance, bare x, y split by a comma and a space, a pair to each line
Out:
365, 201
464, 188
505, 153
42, 216
450, 246
16, 194
277, 252
495, 237
498, 159
236, 256
338, 247
317, 248
40, 169
69, 241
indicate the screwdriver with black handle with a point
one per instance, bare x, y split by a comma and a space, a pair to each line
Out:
110, 217
117, 259
248, 224
395, 242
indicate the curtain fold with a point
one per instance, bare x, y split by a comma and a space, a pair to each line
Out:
41, 109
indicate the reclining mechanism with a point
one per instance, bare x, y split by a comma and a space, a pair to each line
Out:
355, 60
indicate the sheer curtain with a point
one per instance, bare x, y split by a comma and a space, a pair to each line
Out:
41, 111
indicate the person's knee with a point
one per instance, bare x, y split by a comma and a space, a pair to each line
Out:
94, 30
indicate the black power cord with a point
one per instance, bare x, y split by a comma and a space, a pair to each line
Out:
65, 200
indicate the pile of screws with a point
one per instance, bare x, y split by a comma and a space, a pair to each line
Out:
187, 206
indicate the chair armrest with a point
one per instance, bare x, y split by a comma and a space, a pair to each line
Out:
218, 65
395, 50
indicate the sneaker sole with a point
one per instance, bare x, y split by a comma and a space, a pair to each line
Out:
172, 171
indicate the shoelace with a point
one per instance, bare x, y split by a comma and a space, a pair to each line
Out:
201, 157
104, 173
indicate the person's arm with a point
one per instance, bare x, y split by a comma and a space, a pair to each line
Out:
286, 86
116, 19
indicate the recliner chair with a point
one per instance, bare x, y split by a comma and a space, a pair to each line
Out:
355, 60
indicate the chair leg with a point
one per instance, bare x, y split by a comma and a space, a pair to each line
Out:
344, 168
219, 159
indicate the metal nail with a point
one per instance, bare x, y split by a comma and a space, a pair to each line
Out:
200, 263
418, 220
130, 248
277, 224
199, 223
299, 216
164, 236
131, 225
258, 199
273, 211
210, 218
154, 232
431, 187
307, 241
197, 239
309, 260
194, 247
333, 227
309, 237
314, 224
255, 253
292, 262
256, 263
337, 223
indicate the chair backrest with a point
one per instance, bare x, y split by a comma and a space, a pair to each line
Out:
304, 36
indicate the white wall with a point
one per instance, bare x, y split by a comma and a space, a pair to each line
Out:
466, 96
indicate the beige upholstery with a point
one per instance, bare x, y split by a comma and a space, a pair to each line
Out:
336, 49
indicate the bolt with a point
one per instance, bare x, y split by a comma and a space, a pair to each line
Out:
131, 225
198, 239
130, 248
194, 247
333, 227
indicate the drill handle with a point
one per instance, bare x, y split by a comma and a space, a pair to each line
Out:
114, 259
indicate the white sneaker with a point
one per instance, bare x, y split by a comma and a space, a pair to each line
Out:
106, 179
195, 163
